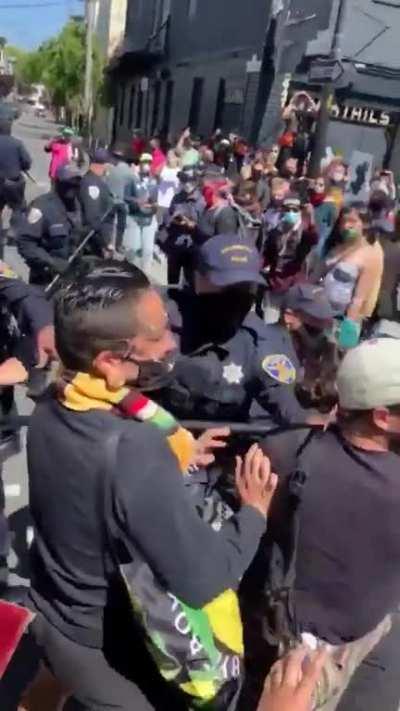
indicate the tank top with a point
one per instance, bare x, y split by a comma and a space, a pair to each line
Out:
340, 283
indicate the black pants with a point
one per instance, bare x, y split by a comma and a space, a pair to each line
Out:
122, 678
12, 193
120, 212
178, 261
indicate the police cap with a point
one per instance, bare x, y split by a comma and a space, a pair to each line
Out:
188, 175
228, 259
311, 300
101, 156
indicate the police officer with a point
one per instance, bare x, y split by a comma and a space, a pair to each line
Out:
26, 338
233, 368
97, 204
307, 320
14, 160
219, 217
176, 232
47, 234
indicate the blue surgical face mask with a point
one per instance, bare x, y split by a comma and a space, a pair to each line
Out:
291, 218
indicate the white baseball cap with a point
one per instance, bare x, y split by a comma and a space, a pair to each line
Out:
369, 376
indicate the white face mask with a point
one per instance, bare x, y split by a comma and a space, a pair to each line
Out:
145, 169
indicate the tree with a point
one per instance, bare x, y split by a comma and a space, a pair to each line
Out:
59, 64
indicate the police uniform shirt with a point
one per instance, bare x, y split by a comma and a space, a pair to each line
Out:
24, 311
14, 158
96, 201
46, 232
250, 376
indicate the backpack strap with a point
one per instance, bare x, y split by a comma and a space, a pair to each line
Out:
280, 625
105, 502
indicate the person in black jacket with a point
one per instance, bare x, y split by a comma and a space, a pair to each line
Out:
112, 331
97, 204
47, 235
176, 230
14, 161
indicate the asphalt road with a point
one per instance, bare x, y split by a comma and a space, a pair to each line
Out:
376, 687
35, 134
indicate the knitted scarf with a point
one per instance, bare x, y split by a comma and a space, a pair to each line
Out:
82, 392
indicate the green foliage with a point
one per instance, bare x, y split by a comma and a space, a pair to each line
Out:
59, 64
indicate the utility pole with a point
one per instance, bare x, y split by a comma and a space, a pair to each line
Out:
88, 94
328, 93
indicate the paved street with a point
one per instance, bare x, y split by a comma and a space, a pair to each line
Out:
35, 134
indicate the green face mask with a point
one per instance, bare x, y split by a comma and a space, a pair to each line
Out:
349, 234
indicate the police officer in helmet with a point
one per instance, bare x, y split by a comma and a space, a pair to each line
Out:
176, 231
26, 342
233, 368
14, 160
48, 233
97, 204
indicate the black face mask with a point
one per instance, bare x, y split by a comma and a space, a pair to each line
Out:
221, 315
68, 194
153, 374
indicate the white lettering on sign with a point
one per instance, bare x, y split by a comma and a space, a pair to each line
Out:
361, 114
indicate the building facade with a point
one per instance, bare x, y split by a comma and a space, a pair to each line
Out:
365, 116
109, 24
191, 63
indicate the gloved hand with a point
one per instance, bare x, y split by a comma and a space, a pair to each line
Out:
60, 266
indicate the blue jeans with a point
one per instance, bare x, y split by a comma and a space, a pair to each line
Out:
139, 242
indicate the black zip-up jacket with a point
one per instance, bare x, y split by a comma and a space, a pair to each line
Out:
152, 511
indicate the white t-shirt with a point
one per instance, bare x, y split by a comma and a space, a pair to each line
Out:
168, 186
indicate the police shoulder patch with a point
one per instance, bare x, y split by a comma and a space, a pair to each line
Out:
34, 215
280, 368
94, 192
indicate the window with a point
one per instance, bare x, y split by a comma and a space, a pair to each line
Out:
122, 105
191, 8
131, 106
169, 94
195, 104
219, 109
139, 110
156, 106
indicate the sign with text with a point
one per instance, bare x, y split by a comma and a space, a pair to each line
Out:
361, 114
360, 172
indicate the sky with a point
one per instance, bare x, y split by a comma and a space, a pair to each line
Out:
27, 27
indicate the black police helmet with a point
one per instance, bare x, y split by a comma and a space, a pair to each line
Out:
68, 174
188, 175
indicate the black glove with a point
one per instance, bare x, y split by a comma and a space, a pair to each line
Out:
60, 266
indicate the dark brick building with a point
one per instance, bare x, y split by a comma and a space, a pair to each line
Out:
193, 62
212, 63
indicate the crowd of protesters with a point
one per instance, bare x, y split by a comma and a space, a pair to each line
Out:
223, 448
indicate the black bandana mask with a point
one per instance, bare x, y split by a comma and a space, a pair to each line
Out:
221, 315
154, 374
